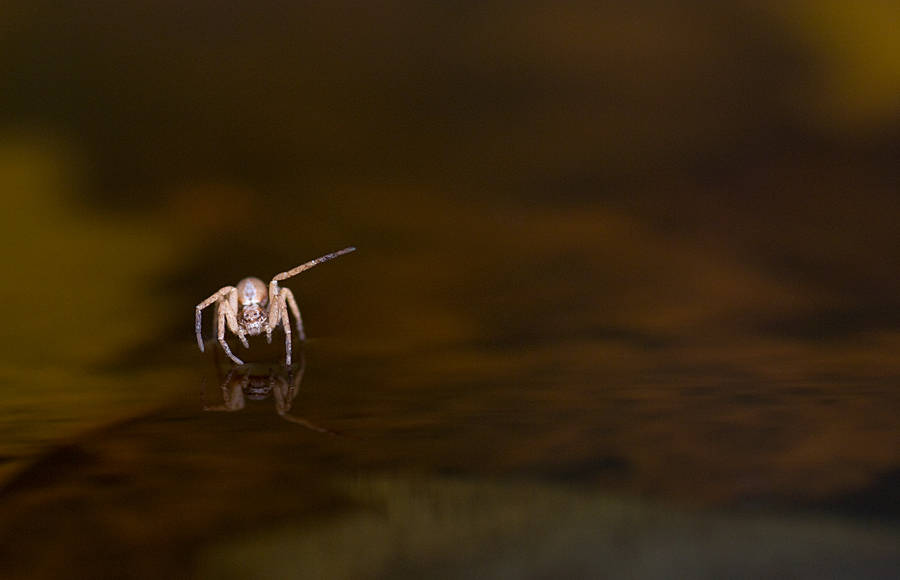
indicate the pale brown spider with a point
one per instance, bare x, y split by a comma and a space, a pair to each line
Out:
242, 309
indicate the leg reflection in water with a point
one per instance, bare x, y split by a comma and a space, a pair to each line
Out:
257, 381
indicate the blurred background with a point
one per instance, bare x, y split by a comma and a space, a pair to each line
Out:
644, 246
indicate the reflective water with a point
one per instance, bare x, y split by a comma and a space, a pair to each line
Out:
603, 321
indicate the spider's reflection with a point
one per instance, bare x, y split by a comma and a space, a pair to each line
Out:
259, 381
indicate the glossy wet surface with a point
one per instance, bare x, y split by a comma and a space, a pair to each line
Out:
559, 351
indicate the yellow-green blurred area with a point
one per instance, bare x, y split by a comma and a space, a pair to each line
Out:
607, 253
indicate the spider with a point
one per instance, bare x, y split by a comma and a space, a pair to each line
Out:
243, 309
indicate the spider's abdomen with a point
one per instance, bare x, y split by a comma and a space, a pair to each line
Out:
252, 291
253, 319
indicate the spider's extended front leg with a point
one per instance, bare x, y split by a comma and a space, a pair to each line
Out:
277, 305
221, 294
310, 264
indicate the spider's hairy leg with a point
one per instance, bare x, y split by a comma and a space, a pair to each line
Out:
289, 298
214, 298
275, 306
286, 322
226, 314
310, 264
231, 316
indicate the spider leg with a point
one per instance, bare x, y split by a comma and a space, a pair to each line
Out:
231, 317
214, 298
226, 314
288, 296
274, 310
310, 264
286, 322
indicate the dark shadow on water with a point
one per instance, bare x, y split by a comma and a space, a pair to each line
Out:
258, 382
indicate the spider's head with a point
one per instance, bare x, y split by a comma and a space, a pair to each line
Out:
253, 319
